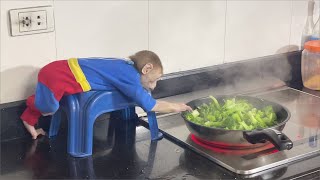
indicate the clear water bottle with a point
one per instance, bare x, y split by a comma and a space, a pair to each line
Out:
316, 31
308, 28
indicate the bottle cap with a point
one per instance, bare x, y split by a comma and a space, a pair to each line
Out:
312, 46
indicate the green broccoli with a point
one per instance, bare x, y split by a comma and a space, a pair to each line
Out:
234, 114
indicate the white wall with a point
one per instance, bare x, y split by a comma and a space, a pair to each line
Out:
253, 31
100, 28
185, 34
21, 57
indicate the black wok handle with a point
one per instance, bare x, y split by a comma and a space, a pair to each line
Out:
277, 138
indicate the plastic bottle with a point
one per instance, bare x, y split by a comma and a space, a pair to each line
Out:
316, 31
309, 26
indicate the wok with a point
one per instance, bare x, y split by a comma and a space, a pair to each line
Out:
241, 139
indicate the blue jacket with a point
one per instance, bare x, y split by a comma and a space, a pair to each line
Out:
116, 74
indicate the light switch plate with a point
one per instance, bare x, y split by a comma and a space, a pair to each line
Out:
31, 20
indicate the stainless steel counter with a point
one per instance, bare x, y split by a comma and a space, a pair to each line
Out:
303, 129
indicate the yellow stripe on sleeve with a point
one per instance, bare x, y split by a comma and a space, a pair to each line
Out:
78, 74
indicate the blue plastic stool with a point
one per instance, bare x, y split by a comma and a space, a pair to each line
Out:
83, 109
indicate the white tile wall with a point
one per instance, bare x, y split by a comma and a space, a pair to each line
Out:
256, 28
21, 56
101, 28
299, 17
187, 34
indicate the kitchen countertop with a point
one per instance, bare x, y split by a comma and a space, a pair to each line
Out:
125, 151
300, 87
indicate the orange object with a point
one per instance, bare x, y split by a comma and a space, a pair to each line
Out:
313, 46
310, 65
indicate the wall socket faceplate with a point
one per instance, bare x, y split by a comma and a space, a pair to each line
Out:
31, 20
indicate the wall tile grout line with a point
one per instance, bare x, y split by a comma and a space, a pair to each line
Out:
225, 33
55, 32
290, 27
148, 25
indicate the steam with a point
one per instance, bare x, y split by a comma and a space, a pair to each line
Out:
252, 75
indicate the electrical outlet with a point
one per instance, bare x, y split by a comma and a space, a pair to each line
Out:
24, 21
31, 20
